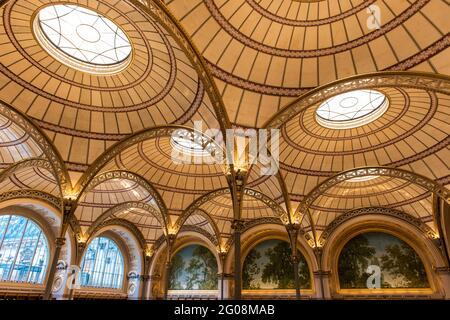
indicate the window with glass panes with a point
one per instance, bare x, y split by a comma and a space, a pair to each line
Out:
102, 265
24, 251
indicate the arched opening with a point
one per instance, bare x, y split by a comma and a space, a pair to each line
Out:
268, 266
24, 250
378, 260
102, 265
193, 267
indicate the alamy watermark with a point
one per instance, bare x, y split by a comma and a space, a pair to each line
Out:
374, 19
240, 147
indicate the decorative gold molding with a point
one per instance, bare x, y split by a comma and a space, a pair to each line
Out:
425, 81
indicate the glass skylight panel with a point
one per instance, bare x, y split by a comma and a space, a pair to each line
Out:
352, 109
80, 34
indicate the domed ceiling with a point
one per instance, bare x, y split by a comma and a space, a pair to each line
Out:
85, 113
275, 63
265, 52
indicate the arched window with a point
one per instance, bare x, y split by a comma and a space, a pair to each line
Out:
193, 268
102, 265
269, 266
24, 252
380, 255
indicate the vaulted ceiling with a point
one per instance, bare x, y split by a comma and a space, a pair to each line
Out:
242, 63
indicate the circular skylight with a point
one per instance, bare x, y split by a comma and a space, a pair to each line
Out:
82, 38
192, 143
352, 109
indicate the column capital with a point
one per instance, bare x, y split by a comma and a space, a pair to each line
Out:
237, 225
144, 277
295, 258
60, 242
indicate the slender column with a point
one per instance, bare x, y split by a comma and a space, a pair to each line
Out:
52, 270
222, 256
293, 235
237, 226
145, 278
81, 246
320, 274
67, 208
295, 262
170, 241
441, 211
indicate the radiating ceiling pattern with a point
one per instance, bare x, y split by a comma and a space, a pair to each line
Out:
412, 134
264, 52
84, 113
274, 62
386, 192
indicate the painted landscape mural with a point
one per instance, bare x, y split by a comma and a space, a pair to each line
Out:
193, 268
399, 264
269, 266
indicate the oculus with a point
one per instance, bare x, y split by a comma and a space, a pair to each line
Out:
82, 39
192, 143
352, 109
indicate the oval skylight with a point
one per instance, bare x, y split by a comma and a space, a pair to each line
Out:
192, 143
352, 109
82, 38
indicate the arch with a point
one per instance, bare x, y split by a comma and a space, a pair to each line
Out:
426, 230
110, 153
182, 227
119, 265
126, 175
50, 152
425, 247
412, 177
127, 206
35, 241
26, 163
410, 79
280, 212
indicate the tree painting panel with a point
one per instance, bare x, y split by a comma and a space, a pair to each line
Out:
269, 266
193, 268
400, 265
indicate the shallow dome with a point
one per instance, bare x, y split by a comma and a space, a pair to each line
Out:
352, 109
82, 38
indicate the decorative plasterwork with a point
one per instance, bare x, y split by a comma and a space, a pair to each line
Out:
128, 206
123, 223
425, 81
415, 178
152, 133
181, 223
41, 139
126, 175
209, 236
27, 163
374, 211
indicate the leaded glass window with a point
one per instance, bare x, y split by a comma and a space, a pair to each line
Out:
82, 38
102, 265
352, 109
24, 251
